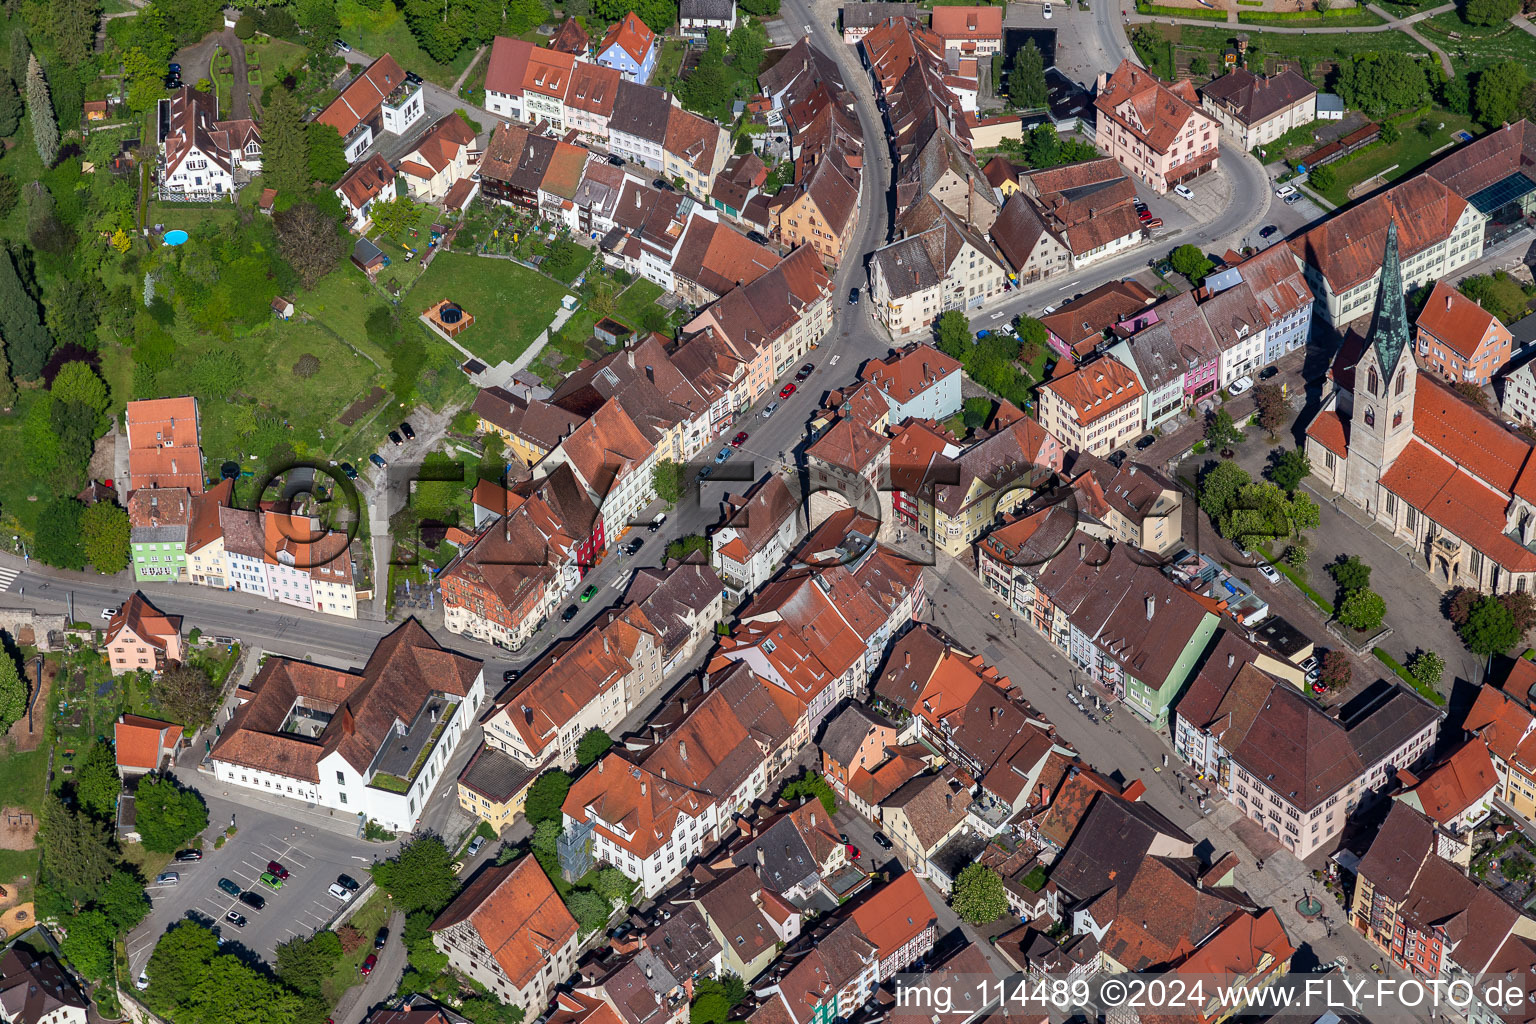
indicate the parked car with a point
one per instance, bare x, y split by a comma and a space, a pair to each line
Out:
770, 409
853, 296
229, 887
723, 454
655, 524
634, 545
1293, 200
1285, 191
664, 185
277, 869
167, 878
589, 593
367, 967
1267, 230
143, 982
349, 470
1183, 192
253, 900
235, 918
509, 676
881, 841
187, 856
339, 891
805, 371
739, 439
1240, 385
474, 846
347, 882
409, 431
568, 614
616, 160
1116, 459
342, 46
1269, 573
395, 438
758, 237
1153, 224
107, 613
381, 938
1145, 441
786, 390
1268, 372
1143, 214
271, 881
377, 460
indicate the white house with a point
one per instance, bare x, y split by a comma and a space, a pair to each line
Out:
200, 154
381, 99
371, 743
439, 160
759, 529
372, 181
696, 17
504, 77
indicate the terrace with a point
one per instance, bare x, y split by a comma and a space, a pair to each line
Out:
402, 756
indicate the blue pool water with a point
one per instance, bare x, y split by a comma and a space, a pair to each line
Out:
175, 237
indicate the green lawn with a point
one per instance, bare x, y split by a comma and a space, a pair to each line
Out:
273, 56
510, 303
370, 917
1473, 47
668, 63
376, 32
342, 300
16, 483
18, 867
635, 300
23, 777
1404, 156
1307, 50
1335, 19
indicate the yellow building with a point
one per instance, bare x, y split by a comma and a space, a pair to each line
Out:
530, 428
494, 787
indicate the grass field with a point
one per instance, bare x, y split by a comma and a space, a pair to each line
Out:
668, 63
1404, 156
1305, 50
22, 777
1350, 19
384, 31
510, 303
372, 916
1473, 47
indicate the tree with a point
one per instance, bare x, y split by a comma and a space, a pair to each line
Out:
1220, 487
683, 547
305, 963
979, 897
1303, 513
954, 332
1426, 667
177, 965
27, 343
88, 944
1197, 66
667, 480
1335, 671
1026, 78
811, 784
1390, 133
245, 27
489, 1009
1323, 178
1296, 557
420, 876
58, 535
397, 218
1381, 83
1456, 95
13, 691
1188, 260
407, 358
1489, 12
1221, 431
1458, 605
7, 386
589, 909
706, 90
186, 695
1044, 147
749, 41
72, 27
1350, 574
1290, 469
77, 852
1521, 607
593, 745
1490, 628
1273, 408
546, 795
1362, 610
709, 1008
77, 382
613, 885
974, 411
309, 241
327, 157
543, 843
168, 815
45, 126
284, 144
123, 900
1498, 293
96, 780
1499, 93
10, 109
381, 326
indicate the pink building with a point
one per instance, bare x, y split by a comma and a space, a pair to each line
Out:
142, 638
1157, 131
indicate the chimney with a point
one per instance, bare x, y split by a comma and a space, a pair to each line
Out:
1151, 607
1082, 551
813, 819
949, 801
682, 750
1231, 660
761, 857
600, 765
642, 789
909, 660
1045, 796
1447, 302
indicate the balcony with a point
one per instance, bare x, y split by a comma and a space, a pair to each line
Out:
401, 94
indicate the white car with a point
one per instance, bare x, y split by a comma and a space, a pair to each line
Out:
1269, 573
1240, 385
1285, 191
340, 891
475, 845
143, 982
107, 613
1183, 192
1047, 10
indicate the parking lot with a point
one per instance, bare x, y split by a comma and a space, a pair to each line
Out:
313, 855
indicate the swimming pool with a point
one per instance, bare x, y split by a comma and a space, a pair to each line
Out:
175, 237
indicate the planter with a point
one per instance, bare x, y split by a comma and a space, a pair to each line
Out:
1359, 643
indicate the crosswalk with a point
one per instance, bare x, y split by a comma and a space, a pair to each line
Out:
7, 577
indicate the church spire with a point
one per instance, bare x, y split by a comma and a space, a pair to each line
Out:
1389, 323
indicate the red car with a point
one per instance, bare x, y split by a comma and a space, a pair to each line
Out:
368, 964
739, 439
1143, 214
786, 390
277, 869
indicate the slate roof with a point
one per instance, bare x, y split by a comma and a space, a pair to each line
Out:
34, 988
844, 733
1111, 840
936, 238
641, 111
1254, 99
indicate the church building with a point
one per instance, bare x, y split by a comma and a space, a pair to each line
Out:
1426, 465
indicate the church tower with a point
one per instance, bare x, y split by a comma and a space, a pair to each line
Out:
1381, 421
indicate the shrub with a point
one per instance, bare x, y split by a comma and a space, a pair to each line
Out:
307, 366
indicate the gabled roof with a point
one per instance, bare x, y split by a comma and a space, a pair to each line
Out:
508, 65
1155, 113
845, 732
164, 444
719, 258
1457, 783
1096, 389
1347, 247
594, 88
968, 24
516, 913
549, 71
1455, 321
361, 99
35, 988
641, 111
571, 38
1085, 320
364, 182
440, 147
631, 35
144, 621
1401, 846
691, 138
1253, 99
141, 743
632, 807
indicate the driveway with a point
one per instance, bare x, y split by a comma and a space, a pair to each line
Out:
379, 987
197, 60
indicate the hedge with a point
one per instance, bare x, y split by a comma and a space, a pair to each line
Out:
1335, 16
1407, 677
1199, 13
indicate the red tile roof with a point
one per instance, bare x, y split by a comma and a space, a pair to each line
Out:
1160, 110
164, 445
1457, 322
517, 914
508, 65
364, 96
145, 621
1457, 783
895, 915
366, 181
548, 73
968, 24
630, 34
1096, 389
1347, 246
141, 743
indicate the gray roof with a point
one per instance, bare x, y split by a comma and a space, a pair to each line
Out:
868, 15
684, 943
366, 252
845, 732
641, 111
1111, 840
786, 859
1256, 98
707, 10
495, 774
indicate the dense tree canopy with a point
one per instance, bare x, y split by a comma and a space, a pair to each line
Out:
1382, 83
979, 897
420, 876
168, 815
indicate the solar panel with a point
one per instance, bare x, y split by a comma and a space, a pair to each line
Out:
1501, 193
